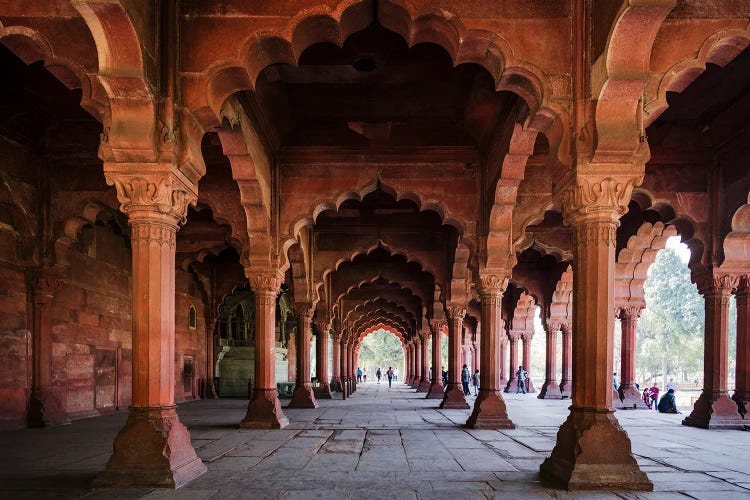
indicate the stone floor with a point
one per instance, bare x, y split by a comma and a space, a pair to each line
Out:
380, 443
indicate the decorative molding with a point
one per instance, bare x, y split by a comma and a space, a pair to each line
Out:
149, 232
143, 194
493, 283
456, 311
597, 197
268, 280
630, 312
595, 233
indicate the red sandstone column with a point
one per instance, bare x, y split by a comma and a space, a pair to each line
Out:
453, 397
742, 378
592, 450
321, 361
153, 449
566, 380
436, 386
714, 408
632, 396
417, 363
264, 410
424, 382
503, 360
489, 408
45, 408
526, 338
336, 379
210, 388
354, 355
512, 385
550, 389
303, 396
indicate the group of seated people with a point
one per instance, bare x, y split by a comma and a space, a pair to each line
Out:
667, 403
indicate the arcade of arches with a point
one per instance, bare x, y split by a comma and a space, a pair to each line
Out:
192, 191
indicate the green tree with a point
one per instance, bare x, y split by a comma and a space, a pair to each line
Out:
670, 336
381, 349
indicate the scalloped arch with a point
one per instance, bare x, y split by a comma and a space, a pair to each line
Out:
93, 211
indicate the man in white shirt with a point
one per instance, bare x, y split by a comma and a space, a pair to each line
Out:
672, 385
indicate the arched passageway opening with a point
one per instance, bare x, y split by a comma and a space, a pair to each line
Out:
382, 350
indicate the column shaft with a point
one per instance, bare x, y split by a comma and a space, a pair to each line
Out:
454, 398
512, 385
550, 389
436, 386
579, 459
489, 408
631, 396
336, 358
303, 396
321, 362
526, 339
742, 377
264, 410
424, 381
714, 408
566, 378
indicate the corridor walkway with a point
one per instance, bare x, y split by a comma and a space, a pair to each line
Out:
380, 444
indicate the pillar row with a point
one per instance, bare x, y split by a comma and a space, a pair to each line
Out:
303, 396
550, 389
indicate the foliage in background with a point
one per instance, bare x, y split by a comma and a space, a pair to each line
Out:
381, 349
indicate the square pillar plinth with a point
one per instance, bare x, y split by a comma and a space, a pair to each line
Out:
489, 412
153, 450
593, 453
454, 399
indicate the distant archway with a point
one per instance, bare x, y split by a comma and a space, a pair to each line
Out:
382, 349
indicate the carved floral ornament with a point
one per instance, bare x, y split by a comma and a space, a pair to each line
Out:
630, 312
596, 197
456, 311
718, 283
268, 281
304, 311
143, 194
493, 283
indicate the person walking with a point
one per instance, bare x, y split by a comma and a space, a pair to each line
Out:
364, 376
389, 374
465, 379
378, 374
521, 380
359, 374
395, 375
475, 380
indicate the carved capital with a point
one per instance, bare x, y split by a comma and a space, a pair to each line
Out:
304, 311
597, 196
630, 312
514, 335
715, 282
152, 194
322, 326
456, 311
265, 280
437, 325
493, 283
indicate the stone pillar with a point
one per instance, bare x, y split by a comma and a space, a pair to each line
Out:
592, 450
303, 396
45, 407
417, 362
512, 385
526, 338
566, 378
153, 449
321, 361
210, 363
714, 408
336, 378
550, 389
264, 409
424, 380
436, 386
454, 398
353, 366
742, 378
489, 408
632, 397
503, 360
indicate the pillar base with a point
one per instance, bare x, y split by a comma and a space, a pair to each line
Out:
530, 386
303, 397
45, 410
436, 391
489, 412
593, 453
153, 450
323, 391
550, 390
336, 384
264, 411
454, 399
632, 399
715, 411
566, 388
424, 386
211, 391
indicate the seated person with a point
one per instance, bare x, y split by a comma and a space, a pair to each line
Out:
668, 403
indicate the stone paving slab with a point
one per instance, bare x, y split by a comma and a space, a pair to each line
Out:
380, 443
